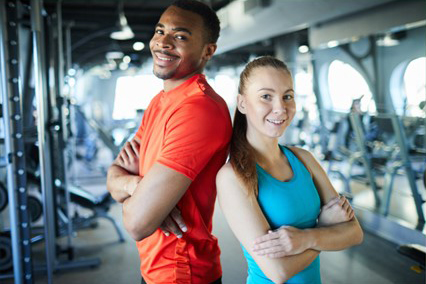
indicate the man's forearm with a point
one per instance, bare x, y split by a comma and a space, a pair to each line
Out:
120, 183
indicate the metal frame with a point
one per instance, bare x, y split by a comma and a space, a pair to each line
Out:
401, 161
61, 133
14, 142
48, 142
404, 163
41, 93
365, 157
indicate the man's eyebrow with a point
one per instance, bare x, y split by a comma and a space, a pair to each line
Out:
177, 29
185, 30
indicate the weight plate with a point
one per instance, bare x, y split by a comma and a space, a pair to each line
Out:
35, 207
6, 258
3, 197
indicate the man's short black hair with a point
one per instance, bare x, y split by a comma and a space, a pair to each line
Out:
211, 21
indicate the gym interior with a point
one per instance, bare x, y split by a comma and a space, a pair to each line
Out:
76, 77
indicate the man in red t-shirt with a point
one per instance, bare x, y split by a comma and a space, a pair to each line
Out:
165, 176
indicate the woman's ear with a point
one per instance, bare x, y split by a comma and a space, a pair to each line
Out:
241, 103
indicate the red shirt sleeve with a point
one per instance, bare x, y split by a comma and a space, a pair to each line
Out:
194, 133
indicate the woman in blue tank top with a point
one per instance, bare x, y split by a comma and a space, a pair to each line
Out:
278, 200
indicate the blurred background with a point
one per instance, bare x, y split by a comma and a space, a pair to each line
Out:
76, 77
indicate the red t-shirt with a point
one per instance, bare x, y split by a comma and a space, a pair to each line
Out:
187, 129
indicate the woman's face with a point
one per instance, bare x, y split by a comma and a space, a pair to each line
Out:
268, 102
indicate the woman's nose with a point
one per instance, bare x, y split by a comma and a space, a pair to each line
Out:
279, 107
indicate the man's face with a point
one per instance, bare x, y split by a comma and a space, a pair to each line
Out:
178, 47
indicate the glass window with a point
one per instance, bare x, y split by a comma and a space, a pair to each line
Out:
133, 93
225, 86
345, 85
305, 97
415, 87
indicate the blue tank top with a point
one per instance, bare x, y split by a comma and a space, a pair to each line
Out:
293, 203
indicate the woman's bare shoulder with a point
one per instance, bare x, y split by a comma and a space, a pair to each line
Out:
226, 172
227, 180
302, 153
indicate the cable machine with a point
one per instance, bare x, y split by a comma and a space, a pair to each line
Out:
14, 156
46, 53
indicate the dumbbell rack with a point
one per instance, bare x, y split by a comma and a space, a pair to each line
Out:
14, 158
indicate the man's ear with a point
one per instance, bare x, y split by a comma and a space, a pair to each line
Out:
209, 50
241, 103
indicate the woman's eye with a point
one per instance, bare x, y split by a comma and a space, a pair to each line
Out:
288, 97
266, 96
159, 32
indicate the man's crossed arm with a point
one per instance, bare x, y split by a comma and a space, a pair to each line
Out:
149, 202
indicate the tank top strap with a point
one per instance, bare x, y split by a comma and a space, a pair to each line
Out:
287, 149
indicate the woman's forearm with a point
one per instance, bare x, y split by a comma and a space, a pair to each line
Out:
288, 266
336, 237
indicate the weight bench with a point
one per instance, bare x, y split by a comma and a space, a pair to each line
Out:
98, 204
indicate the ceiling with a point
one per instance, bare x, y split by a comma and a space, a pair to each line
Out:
92, 21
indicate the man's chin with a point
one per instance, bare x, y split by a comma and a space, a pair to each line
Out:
163, 75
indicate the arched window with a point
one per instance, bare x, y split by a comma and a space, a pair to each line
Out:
415, 87
345, 84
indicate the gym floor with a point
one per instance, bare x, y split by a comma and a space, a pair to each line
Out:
374, 261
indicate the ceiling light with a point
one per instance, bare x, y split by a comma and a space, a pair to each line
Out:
303, 48
126, 59
111, 65
387, 40
138, 46
124, 32
123, 66
332, 43
114, 55
72, 72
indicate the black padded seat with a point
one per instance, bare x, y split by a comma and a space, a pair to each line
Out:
87, 199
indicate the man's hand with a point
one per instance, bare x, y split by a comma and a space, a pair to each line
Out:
282, 242
128, 158
336, 211
174, 224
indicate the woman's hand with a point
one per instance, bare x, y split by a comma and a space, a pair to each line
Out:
336, 211
282, 242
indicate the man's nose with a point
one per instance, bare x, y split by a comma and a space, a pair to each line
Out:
164, 42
